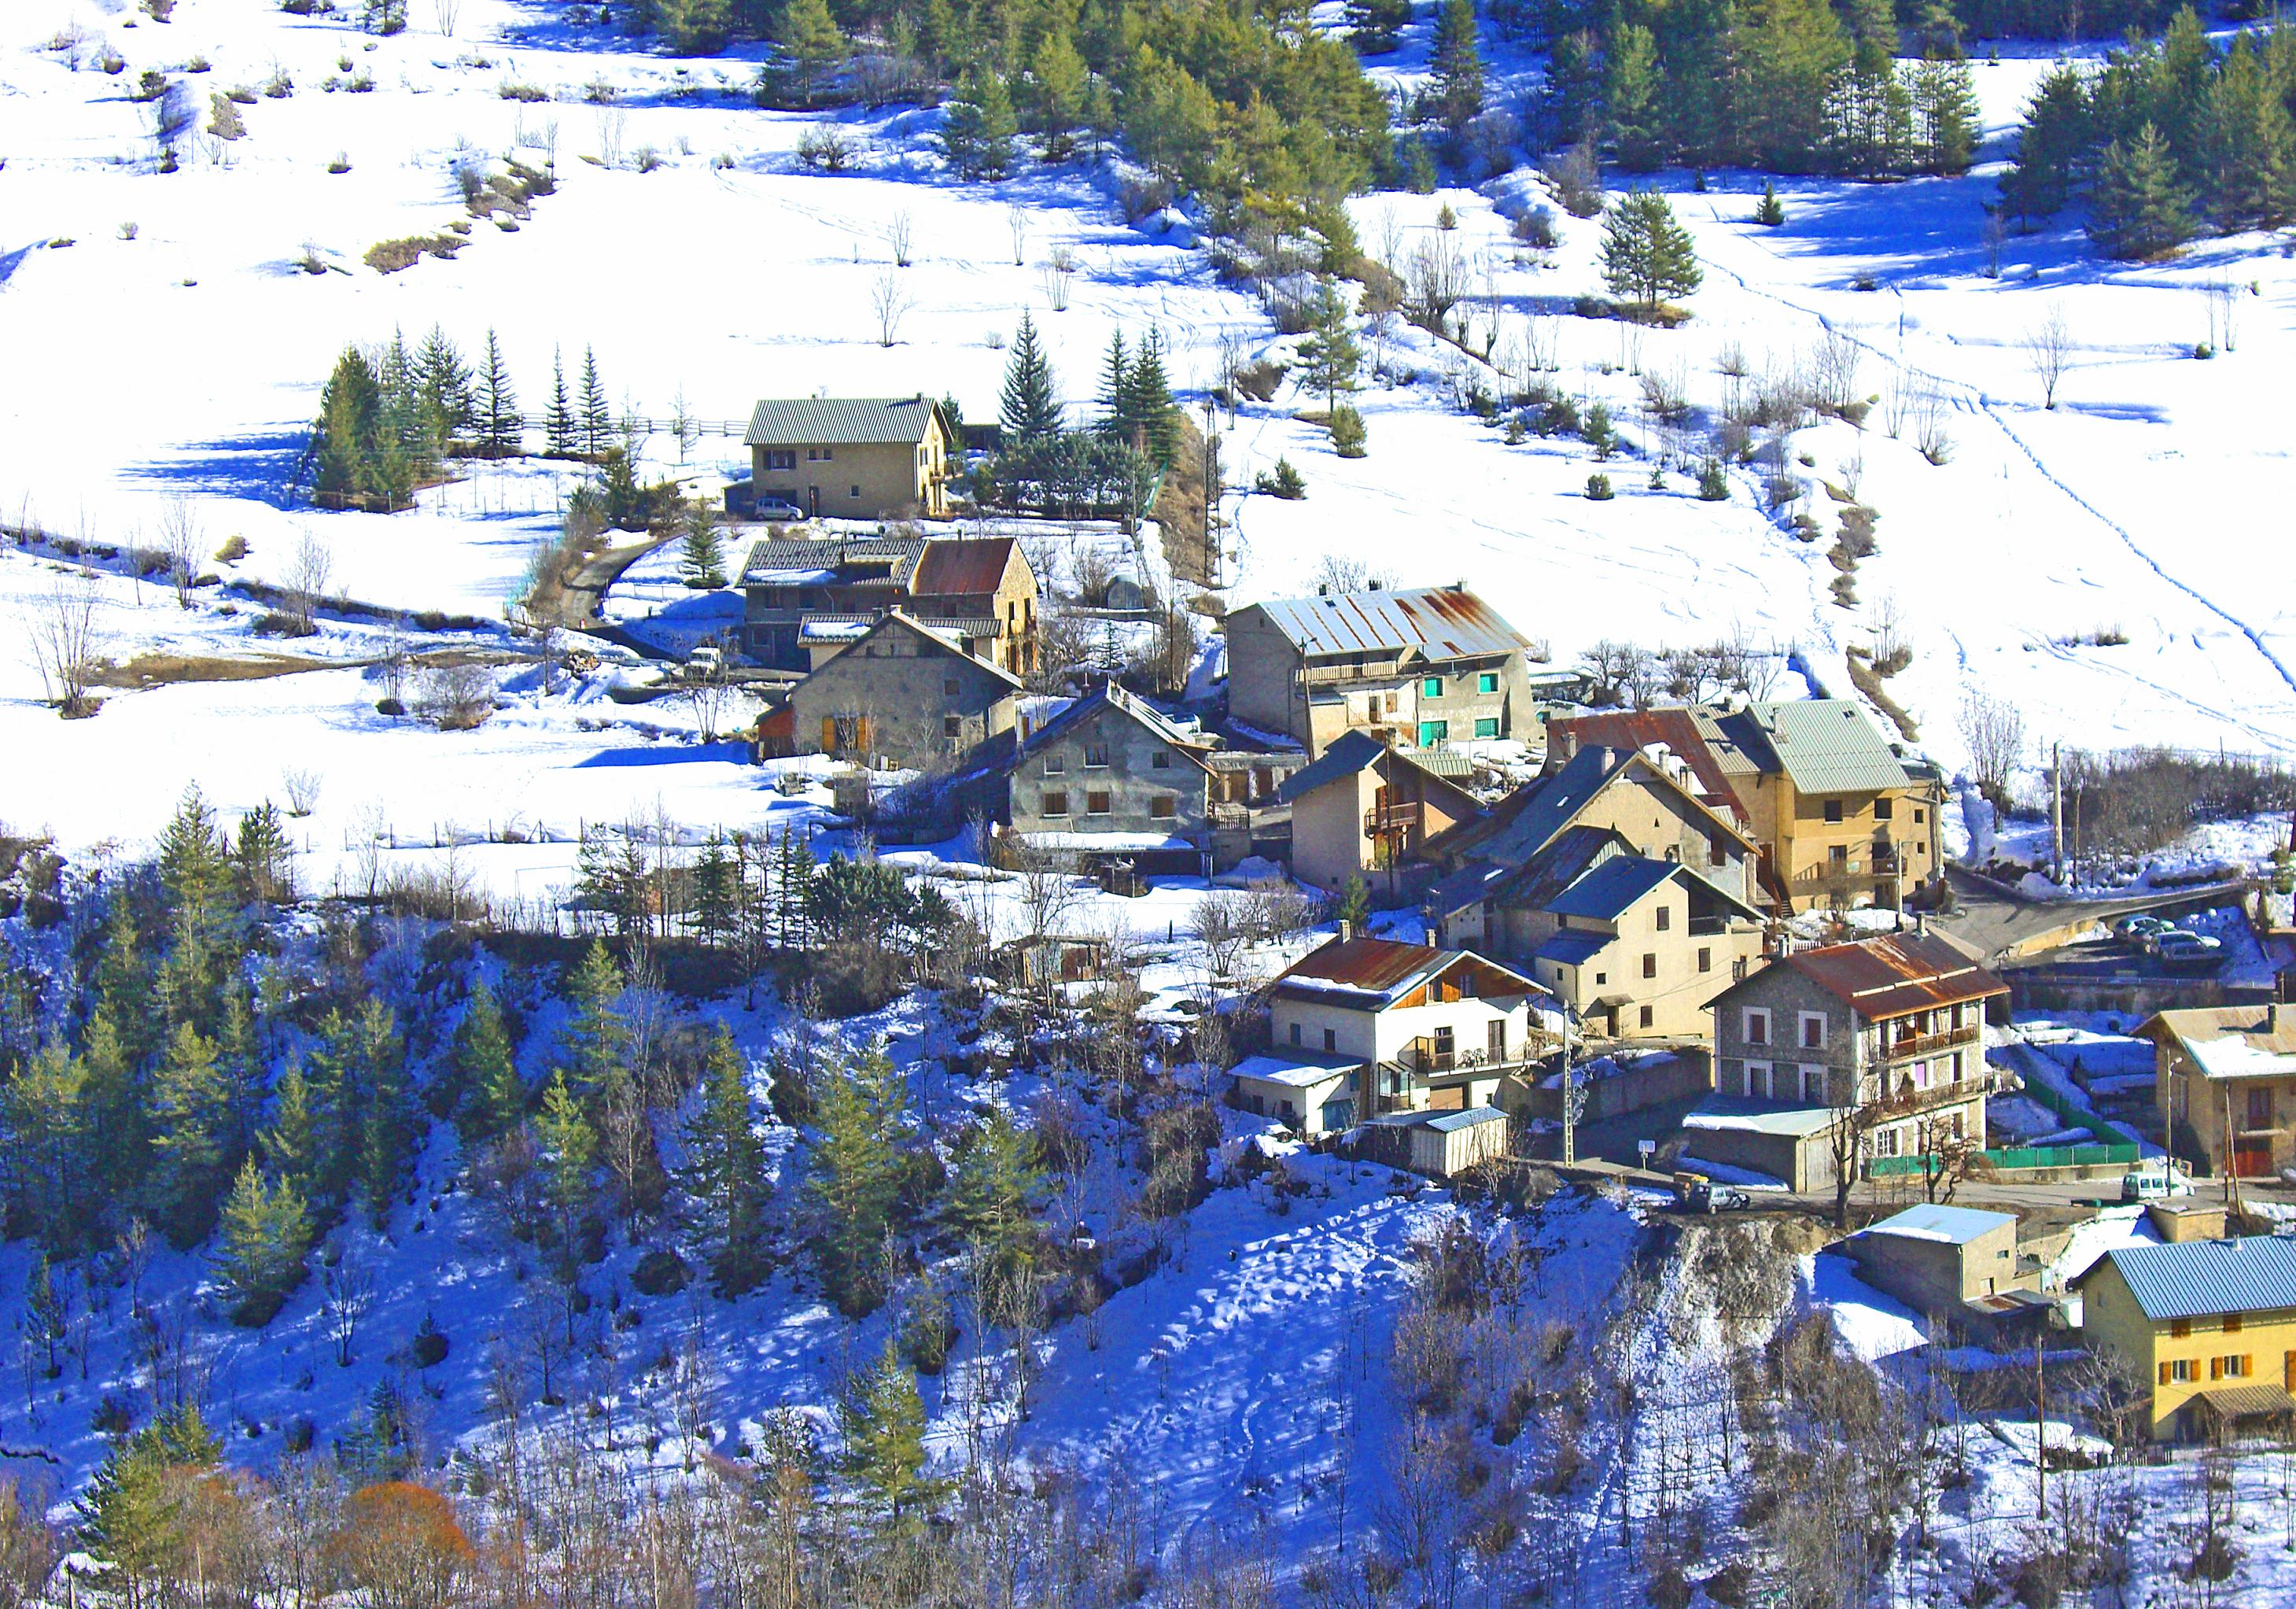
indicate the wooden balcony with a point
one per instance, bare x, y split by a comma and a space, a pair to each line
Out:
1425, 1058
1903, 1047
1393, 818
1903, 1097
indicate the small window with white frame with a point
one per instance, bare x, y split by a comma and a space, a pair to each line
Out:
1758, 1080
1813, 1030
1813, 1082
1754, 1027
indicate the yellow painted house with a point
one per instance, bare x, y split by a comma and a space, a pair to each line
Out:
2208, 1326
852, 457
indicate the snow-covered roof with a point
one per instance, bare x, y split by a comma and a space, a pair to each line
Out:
2233, 1041
789, 577
1950, 1226
1296, 1072
1722, 1113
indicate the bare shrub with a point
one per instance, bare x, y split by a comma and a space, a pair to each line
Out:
1994, 731
456, 696
302, 788
304, 587
900, 232
1060, 272
65, 644
2049, 350
182, 542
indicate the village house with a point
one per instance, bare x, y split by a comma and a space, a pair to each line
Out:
1841, 816
852, 457
805, 598
1425, 668
1364, 808
902, 693
1365, 1027
1829, 1057
1614, 883
2224, 1081
2207, 1327
1936, 1258
1110, 773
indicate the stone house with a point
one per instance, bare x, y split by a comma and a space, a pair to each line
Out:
852, 457
1112, 774
1935, 1258
1846, 1053
1365, 809
1365, 1026
805, 598
1424, 668
905, 694
1843, 816
2207, 1327
2225, 1084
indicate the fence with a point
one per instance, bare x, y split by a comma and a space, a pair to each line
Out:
2041, 1094
2018, 1158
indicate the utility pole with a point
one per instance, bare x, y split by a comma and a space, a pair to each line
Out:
2057, 812
1211, 492
1570, 1125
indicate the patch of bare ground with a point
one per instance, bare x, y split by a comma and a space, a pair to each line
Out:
149, 670
1179, 511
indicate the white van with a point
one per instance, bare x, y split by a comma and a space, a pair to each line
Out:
2155, 1183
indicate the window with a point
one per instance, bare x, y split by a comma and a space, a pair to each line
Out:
1466, 986
854, 492
1095, 802
1161, 760
1433, 732
1839, 856
1601, 978
780, 459
1833, 810
1096, 756
1055, 763
1813, 1030
1163, 806
1917, 815
1649, 964
1882, 809
1432, 687
1758, 1079
952, 725
1295, 1033
1705, 958
1331, 1039
1757, 1025
1813, 1082
1487, 682
1666, 918
1056, 802
1486, 726
950, 686
2179, 1370
1643, 1017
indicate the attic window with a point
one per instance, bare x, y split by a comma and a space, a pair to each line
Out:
1161, 761
1833, 810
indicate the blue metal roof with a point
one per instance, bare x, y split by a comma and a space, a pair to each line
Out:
1955, 1225
1610, 889
1572, 949
2194, 1278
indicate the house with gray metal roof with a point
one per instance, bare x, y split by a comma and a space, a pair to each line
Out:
805, 597
852, 457
1428, 667
1935, 1258
2207, 1327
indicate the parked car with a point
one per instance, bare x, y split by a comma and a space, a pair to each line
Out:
2136, 929
780, 513
2155, 1183
2154, 941
2188, 948
1696, 1193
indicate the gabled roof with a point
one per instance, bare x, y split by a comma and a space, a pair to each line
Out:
1108, 695
839, 421
794, 560
1375, 972
2199, 1279
1821, 745
2232, 1041
1526, 820
1439, 622
1677, 727
1895, 973
1355, 751
1613, 888
895, 620
1951, 1226
961, 567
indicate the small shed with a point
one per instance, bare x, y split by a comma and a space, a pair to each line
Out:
1313, 1096
1441, 1145
1935, 1258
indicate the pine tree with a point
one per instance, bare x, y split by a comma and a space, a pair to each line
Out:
389, 1125
883, 1424
810, 37
569, 1147
1647, 255
196, 876
1330, 354
239, 1063
1354, 908
693, 28
44, 1312
597, 418
493, 1095
2138, 209
977, 133
855, 1179
2251, 145
726, 1171
444, 381
990, 1202
560, 434
1375, 27
1456, 95
191, 1122
263, 860
503, 431
1116, 390
350, 409
1151, 408
717, 894
1794, 53
50, 1140
134, 1513
594, 1047
267, 1230
702, 563
1945, 113
290, 1145
1028, 413
2049, 146
1056, 90
1630, 97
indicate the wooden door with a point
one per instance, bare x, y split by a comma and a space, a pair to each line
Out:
1451, 1098
1495, 1037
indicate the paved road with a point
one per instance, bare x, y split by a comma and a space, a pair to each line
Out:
1993, 922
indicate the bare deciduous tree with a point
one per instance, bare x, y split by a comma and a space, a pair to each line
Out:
183, 543
449, 13
889, 301
1060, 273
347, 1294
1994, 733
2049, 350
1016, 222
65, 644
302, 787
900, 232
304, 587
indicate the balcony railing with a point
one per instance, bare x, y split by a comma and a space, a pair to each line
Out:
1385, 819
1423, 1057
1904, 1097
1900, 1047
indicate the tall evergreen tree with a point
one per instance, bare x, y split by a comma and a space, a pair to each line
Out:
446, 384
503, 433
810, 34
2139, 211
1456, 95
1647, 256
883, 1422
594, 1050
702, 561
53, 1192
726, 1171
1116, 388
1945, 115
1794, 53
493, 1097
2050, 146
1149, 411
1056, 89
290, 1145
1375, 27
978, 130
1330, 354
267, 1230
190, 1128
855, 1179
1630, 98
991, 1199
716, 892
562, 433
597, 417
1028, 411
196, 876
569, 1145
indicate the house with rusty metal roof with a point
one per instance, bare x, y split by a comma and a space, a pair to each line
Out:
2207, 1325
1844, 816
1372, 1026
2224, 1081
1427, 667
804, 597
1879, 1044
852, 457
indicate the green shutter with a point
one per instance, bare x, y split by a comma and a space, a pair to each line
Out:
1488, 727
1488, 682
1432, 688
1433, 732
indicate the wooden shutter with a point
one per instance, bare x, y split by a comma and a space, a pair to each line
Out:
861, 733
829, 734
2164, 1372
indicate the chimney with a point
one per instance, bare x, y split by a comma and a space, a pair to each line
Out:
2275, 1017
1346, 930
1376, 585
1323, 589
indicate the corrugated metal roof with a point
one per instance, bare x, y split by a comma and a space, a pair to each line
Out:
838, 421
961, 567
1442, 622
1108, 695
1575, 852
1677, 727
773, 556
2233, 1041
1895, 973
895, 620
2197, 1278
1823, 745
1471, 1117
1955, 1226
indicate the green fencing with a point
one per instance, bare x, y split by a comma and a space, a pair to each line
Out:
2022, 1156
2042, 1096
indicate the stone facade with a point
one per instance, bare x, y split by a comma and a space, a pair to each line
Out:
904, 695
